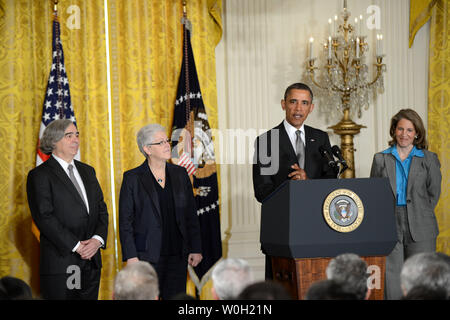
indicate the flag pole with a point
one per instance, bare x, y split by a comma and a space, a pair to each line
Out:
55, 9
190, 284
201, 166
189, 119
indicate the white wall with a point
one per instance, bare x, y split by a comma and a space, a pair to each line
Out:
263, 50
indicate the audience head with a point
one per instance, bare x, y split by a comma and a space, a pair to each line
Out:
14, 289
351, 271
426, 269
329, 290
3, 293
265, 290
182, 296
425, 293
137, 281
230, 277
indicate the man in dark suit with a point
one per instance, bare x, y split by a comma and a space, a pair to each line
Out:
66, 203
290, 150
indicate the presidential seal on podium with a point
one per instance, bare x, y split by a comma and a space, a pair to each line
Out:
343, 210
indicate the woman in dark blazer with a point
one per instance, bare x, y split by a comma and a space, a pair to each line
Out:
415, 178
158, 222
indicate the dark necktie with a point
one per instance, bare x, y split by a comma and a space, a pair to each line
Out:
300, 149
74, 181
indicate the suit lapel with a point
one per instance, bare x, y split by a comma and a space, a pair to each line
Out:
87, 186
390, 168
415, 167
285, 143
146, 179
307, 146
62, 175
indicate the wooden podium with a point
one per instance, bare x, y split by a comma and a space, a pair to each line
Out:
295, 233
297, 275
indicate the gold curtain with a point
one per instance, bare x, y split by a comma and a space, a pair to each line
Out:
25, 57
438, 98
86, 65
145, 60
146, 54
419, 14
145, 48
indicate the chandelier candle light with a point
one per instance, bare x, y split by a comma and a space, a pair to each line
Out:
345, 77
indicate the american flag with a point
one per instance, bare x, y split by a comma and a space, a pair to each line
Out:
186, 162
193, 149
57, 103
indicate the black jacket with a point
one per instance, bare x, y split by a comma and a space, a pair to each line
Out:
61, 215
140, 215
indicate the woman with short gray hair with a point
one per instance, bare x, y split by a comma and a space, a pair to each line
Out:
158, 220
146, 134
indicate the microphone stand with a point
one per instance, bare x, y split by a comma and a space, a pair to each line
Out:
342, 168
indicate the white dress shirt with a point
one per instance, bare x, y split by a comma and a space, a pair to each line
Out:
65, 166
292, 135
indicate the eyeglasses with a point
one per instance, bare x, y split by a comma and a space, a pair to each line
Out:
160, 143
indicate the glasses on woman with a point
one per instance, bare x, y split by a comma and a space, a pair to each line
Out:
160, 143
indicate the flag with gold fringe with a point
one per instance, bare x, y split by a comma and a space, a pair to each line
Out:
193, 149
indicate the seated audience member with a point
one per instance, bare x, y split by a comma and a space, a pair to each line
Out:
14, 289
444, 257
230, 277
182, 296
329, 290
265, 290
3, 293
429, 270
137, 281
425, 293
351, 271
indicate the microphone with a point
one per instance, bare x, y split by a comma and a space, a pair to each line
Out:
324, 152
338, 154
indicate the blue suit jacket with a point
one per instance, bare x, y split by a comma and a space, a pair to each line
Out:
140, 221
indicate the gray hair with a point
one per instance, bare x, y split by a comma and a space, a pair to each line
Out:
351, 271
230, 277
427, 269
137, 281
53, 133
145, 135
